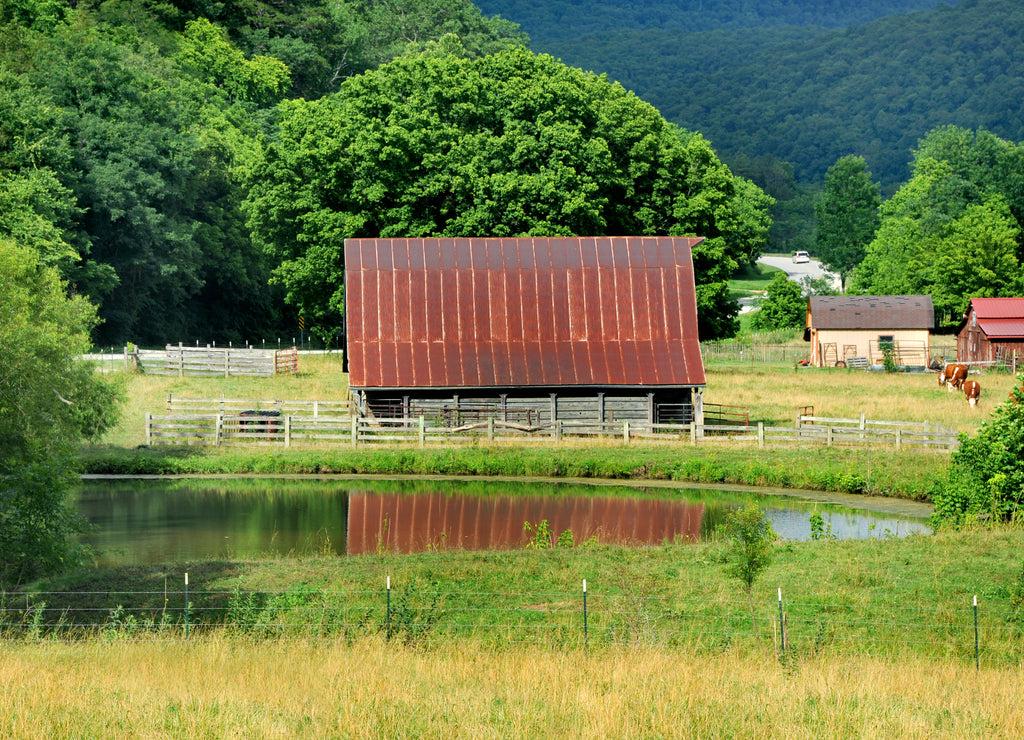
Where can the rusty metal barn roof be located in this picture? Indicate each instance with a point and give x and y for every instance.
(542, 312)
(871, 312)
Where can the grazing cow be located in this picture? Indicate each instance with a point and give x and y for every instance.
(955, 377)
(972, 389)
(944, 374)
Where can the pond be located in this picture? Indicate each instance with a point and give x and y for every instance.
(142, 522)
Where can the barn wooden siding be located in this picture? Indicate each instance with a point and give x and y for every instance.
(539, 409)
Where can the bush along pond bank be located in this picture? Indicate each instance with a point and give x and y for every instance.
(905, 474)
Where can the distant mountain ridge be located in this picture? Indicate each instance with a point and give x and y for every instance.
(810, 95)
(548, 20)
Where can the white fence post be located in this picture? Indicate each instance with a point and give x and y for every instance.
(288, 431)
(355, 429)
(423, 430)
(149, 429)
(760, 434)
(219, 427)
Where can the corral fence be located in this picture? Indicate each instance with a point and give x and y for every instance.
(758, 352)
(268, 422)
(219, 361)
(959, 631)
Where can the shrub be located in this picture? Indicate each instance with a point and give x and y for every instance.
(986, 474)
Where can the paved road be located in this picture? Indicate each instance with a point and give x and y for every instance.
(798, 270)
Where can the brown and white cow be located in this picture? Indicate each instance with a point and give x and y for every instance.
(955, 375)
(972, 389)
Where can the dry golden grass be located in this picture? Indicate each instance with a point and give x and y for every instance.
(775, 394)
(320, 377)
(219, 688)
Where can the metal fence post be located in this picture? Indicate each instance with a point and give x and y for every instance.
(977, 663)
(388, 622)
(585, 636)
(782, 626)
(186, 605)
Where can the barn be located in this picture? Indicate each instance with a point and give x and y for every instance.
(525, 330)
(992, 332)
(855, 329)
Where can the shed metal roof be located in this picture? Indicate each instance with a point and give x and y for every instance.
(998, 308)
(1002, 328)
(871, 312)
(543, 312)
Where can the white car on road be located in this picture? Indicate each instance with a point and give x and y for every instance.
(801, 257)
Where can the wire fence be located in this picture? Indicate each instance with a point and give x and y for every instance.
(412, 614)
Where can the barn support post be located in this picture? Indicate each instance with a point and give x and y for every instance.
(650, 408)
(504, 406)
(697, 401)
(600, 407)
(554, 407)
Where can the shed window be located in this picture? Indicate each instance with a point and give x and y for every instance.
(886, 341)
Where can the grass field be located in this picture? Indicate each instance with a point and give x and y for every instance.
(881, 640)
(774, 394)
(225, 689)
(880, 645)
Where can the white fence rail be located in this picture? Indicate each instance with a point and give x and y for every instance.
(274, 428)
(226, 362)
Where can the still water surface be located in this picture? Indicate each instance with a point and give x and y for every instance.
(141, 522)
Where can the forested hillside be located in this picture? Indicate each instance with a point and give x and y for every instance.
(809, 95)
(548, 20)
(126, 129)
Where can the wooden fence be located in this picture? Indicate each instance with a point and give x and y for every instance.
(272, 427)
(181, 361)
(224, 405)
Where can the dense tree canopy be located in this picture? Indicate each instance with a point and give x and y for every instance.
(48, 402)
(784, 305)
(512, 144)
(809, 95)
(954, 229)
(847, 215)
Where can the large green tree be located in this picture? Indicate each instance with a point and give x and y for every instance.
(847, 215)
(954, 230)
(511, 144)
(49, 401)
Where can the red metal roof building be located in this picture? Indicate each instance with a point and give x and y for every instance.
(524, 323)
(992, 331)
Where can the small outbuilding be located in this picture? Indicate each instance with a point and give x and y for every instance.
(527, 330)
(848, 330)
(992, 332)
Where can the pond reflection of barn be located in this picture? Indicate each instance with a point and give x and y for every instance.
(414, 523)
(527, 330)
